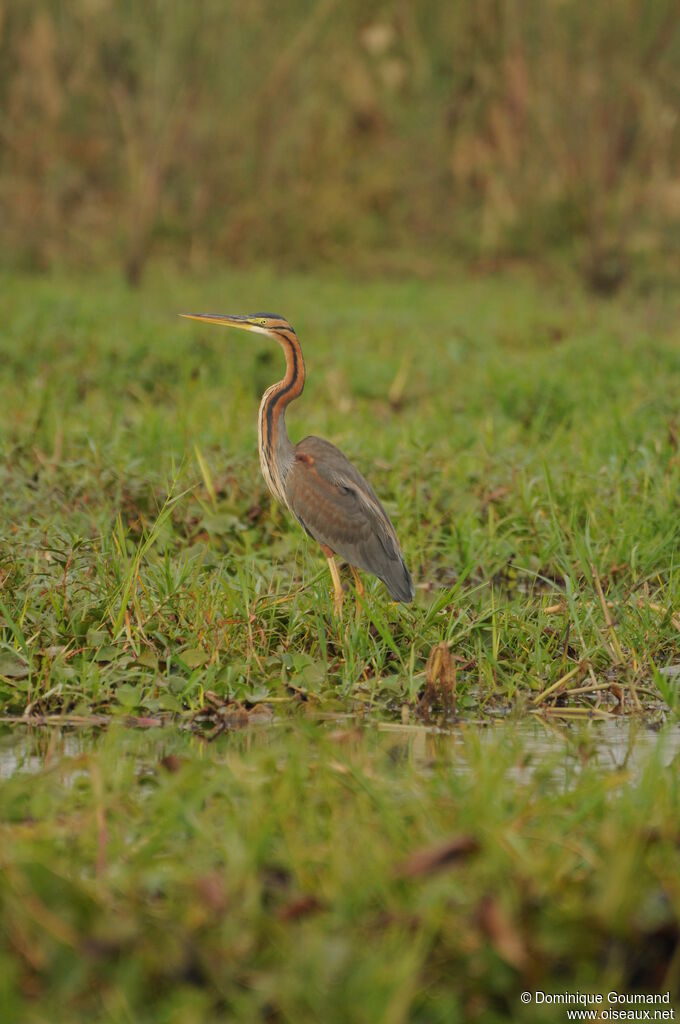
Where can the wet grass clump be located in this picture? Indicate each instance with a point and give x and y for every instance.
(333, 873)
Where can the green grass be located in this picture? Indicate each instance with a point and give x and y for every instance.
(522, 436)
(524, 439)
(297, 875)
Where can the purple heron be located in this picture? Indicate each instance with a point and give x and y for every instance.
(327, 494)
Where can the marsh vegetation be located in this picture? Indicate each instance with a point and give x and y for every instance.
(228, 805)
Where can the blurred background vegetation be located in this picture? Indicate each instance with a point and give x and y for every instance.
(395, 136)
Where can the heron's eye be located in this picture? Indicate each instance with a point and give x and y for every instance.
(263, 322)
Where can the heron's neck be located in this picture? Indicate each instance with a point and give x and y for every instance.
(275, 448)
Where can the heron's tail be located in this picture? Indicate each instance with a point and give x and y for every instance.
(399, 582)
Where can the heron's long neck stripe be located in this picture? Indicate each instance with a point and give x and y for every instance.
(292, 382)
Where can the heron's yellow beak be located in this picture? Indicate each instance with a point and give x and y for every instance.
(246, 323)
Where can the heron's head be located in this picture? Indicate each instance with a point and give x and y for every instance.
(261, 323)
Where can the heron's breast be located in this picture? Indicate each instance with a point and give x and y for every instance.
(273, 477)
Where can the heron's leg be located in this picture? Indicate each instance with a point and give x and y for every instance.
(357, 582)
(358, 586)
(338, 592)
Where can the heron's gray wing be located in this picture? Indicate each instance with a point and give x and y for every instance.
(339, 508)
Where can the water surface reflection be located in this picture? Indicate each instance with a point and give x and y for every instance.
(609, 746)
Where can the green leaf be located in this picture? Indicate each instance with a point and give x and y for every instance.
(12, 666)
(96, 637)
(107, 653)
(314, 674)
(148, 659)
(194, 657)
(167, 702)
(127, 695)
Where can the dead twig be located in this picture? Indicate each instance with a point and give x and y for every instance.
(557, 686)
(433, 858)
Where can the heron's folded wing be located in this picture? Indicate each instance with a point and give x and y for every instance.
(337, 506)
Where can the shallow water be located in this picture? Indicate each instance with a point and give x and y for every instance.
(614, 745)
